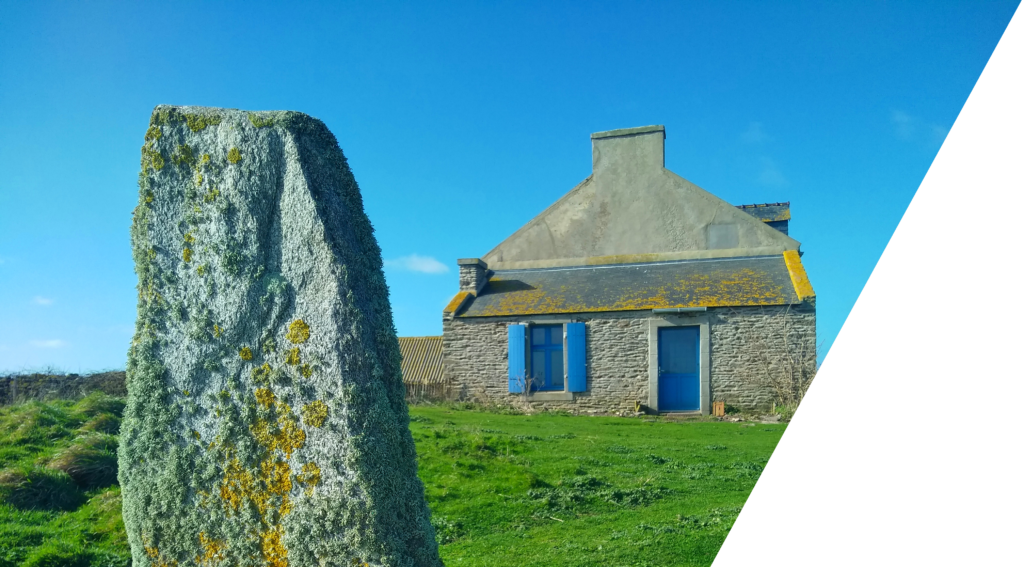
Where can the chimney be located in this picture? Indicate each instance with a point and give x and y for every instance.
(629, 149)
(472, 274)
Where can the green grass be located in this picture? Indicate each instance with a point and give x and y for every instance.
(545, 489)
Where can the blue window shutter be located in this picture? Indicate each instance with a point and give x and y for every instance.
(576, 341)
(516, 358)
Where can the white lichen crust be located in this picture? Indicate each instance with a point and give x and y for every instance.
(266, 420)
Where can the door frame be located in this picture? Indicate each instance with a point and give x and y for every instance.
(655, 323)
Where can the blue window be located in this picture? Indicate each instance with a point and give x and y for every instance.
(535, 355)
(547, 369)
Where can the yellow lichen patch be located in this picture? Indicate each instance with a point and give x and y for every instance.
(258, 121)
(274, 552)
(290, 436)
(197, 122)
(234, 156)
(268, 492)
(245, 353)
(189, 239)
(212, 550)
(237, 485)
(801, 283)
(196, 435)
(201, 270)
(314, 413)
(186, 254)
(261, 374)
(284, 435)
(199, 179)
(293, 357)
(276, 476)
(298, 332)
(310, 477)
(457, 301)
(158, 560)
(265, 397)
(306, 370)
(217, 330)
(153, 133)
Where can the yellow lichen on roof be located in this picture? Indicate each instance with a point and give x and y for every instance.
(621, 259)
(744, 287)
(457, 302)
(801, 283)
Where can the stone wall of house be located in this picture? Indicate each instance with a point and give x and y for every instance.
(476, 360)
(743, 341)
(748, 343)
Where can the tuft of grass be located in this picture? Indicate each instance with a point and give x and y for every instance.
(91, 461)
(37, 488)
(103, 423)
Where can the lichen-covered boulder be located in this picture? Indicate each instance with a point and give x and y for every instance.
(266, 421)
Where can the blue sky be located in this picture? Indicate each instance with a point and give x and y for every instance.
(462, 121)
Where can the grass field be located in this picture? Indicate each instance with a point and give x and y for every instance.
(523, 490)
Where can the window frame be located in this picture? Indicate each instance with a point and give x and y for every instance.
(564, 394)
(548, 347)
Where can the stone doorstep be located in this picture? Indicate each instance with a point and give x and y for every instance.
(680, 415)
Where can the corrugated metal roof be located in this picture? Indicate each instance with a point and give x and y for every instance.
(421, 360)
(719, 282)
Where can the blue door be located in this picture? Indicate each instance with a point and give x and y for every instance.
(679, 368)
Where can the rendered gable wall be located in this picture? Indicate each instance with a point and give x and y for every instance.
(632, 205)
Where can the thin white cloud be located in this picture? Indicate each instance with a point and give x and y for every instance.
(911, 128)
(417, 263)
(50, 343)
(939, 133)
(755, 134)
(904, 123)
(770, 174)
(40, 300)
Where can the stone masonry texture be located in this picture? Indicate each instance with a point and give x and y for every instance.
(476, 355)
(472, 277)
(266, 422)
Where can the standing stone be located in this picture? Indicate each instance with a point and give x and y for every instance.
(266, 420)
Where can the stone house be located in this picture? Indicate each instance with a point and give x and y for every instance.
(635, 288)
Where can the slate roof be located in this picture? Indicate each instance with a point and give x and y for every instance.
(767, 212)
(421, 360)
(718, 282)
